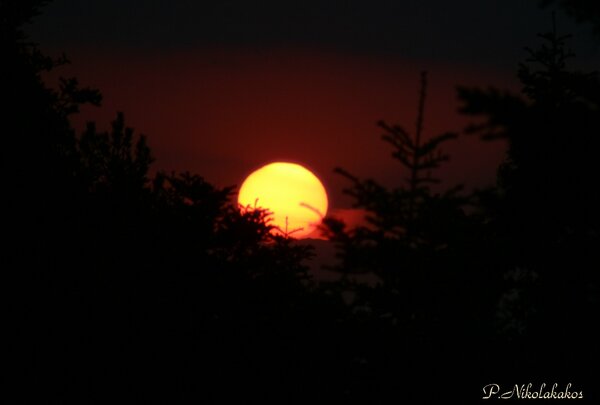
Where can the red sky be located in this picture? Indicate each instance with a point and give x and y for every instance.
(222, 88)
(223, 113)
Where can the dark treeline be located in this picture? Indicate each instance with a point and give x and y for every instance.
(127, 288)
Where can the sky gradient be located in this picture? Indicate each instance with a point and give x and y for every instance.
(223, 88)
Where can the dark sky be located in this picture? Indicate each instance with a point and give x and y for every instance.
(475, 31)
(223, 87)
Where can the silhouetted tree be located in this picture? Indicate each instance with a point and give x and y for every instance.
(394, 214)
(549, 169)
(423, 250)
(543, 216)
(406, 221)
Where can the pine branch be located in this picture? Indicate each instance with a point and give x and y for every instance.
(434, 142)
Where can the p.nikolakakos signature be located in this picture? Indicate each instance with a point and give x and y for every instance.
(528, 391)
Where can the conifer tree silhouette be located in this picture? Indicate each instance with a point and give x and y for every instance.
(402, 216)
(421, 247)
(543, 218)
(550, 133)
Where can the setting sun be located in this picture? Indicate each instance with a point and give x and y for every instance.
(293, 194)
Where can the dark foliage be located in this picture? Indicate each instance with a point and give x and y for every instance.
(486, 279)
(428, 257)
(543, 214)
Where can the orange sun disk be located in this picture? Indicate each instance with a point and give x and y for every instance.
(293, 194)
